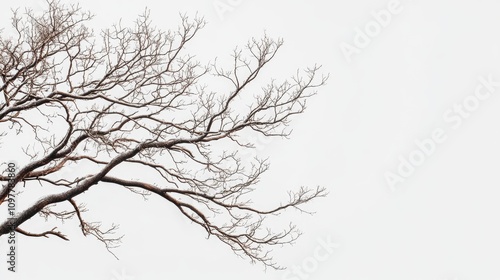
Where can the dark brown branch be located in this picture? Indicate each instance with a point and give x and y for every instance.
(43, 234)
(79, 215)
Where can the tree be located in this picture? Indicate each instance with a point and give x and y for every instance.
(133, 97)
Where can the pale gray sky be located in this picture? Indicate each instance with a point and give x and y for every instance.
(404, 135)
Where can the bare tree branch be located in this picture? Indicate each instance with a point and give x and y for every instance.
(43, 234)
(132, 97)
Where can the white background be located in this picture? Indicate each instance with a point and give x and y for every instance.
(440, 223)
